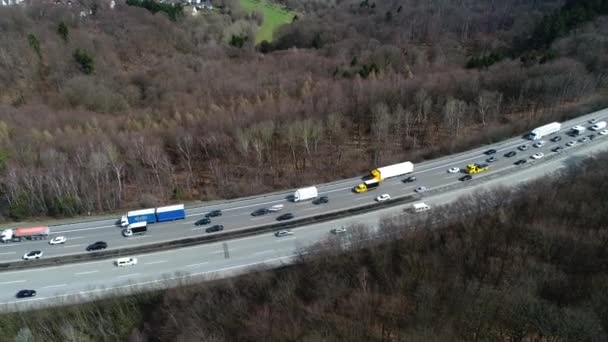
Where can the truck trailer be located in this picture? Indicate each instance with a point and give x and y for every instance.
(136, 228)
(34, 233)
(545, 130)
(370, 184)
(390, 171)
(153, 215)
(305, 194)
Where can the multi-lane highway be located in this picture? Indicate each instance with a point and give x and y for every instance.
(86, 281)
(236, 255)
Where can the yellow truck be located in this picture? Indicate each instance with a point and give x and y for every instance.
(477, 168)
(378, 175)
(367, 185)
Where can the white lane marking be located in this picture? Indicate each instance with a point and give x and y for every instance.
(13, 282)
(8, 253)
(257, 218)
(197, 265)
(217, 252)
(129, 275)
(363, 198)
(312, 208)
(51, 286)
(198, 228)
(285, 239)
(76, 238)
(155, 262)
(264, 252)
(139, 237)
(71, 246)
(80, 229)
(87, 272)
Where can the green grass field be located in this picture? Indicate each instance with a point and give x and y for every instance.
(274, 16)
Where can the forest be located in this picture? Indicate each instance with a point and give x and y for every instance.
(133, 107)
(534, 268)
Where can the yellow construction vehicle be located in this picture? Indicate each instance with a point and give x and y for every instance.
(477, 168)
(366, 186)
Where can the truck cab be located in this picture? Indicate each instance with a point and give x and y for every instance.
(476, 168)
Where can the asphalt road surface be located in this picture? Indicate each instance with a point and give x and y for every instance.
(87, 281)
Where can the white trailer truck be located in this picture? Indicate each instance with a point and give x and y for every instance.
(305, 194)
(545, 130)
(16, 235)
(390, 171)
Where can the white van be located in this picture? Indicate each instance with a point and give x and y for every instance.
(419, 207)
(126, 262)
(277, 207)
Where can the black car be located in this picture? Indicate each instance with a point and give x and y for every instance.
(557, 149)
(322, 199)
(510, 154)
(521, 161)
(489, 152)
(409, 179)
(287, 216)
(216, 228)
(203, 221)
(97, 246)
(214, 213)
(465, 178)
(591, 136)
(26, 293)
(556, 139)
(260, 212)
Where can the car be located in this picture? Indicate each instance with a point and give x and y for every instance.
(320, 200)
(276, 207)
(584, 140)
(203, 221)
(32, 255)
(592, 121)
(260, 212)
(491, 159)
(216, 228)
(420, 189)
(286, 216)
(26, 293)
(465, 178)
(604, 132)
(489, 152)
(557, 149)
(537, 155)
(523, 147)
(521, 161)
(125, 262)
(281, 233)
(453, 170)
(383, 197)
(510, 154)
(409, 179)
(338, 230)
(97, 246)
(591, 136)
(556, 139)
(571, 143)
(58, 240)
(214, 213)
(539, 144)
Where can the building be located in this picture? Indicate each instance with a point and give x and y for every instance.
(10, 2)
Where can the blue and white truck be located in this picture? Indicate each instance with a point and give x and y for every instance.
(153, 215)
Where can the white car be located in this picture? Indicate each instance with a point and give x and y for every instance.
(584, 140)
(281, 233)
(592, 121)
(32, 255)
(523, 147)
(604, 132)
(126, 262)
(339, 230)
(453, 170)
(537, 155)
(383, 197)
(571, 143)
(277, 207)
(539, 144)
(58, 240)
(420, 189)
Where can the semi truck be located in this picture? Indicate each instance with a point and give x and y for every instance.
(477, 168)
(370, 184)
(390, 171)
(305, 194)
(136, 228)
(33, 233)
(545, 130)
(153, 215)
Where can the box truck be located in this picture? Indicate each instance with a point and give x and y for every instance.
(598, 126)
(545, 130)
(153, 215)
(136, 228)
(390, 171)
(16, 235)
(305, 194)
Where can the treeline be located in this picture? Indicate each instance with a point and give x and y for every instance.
(529, 263)
(151, 111)
(173, 11)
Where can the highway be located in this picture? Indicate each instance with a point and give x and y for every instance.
(237, 213)
(90, 280)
